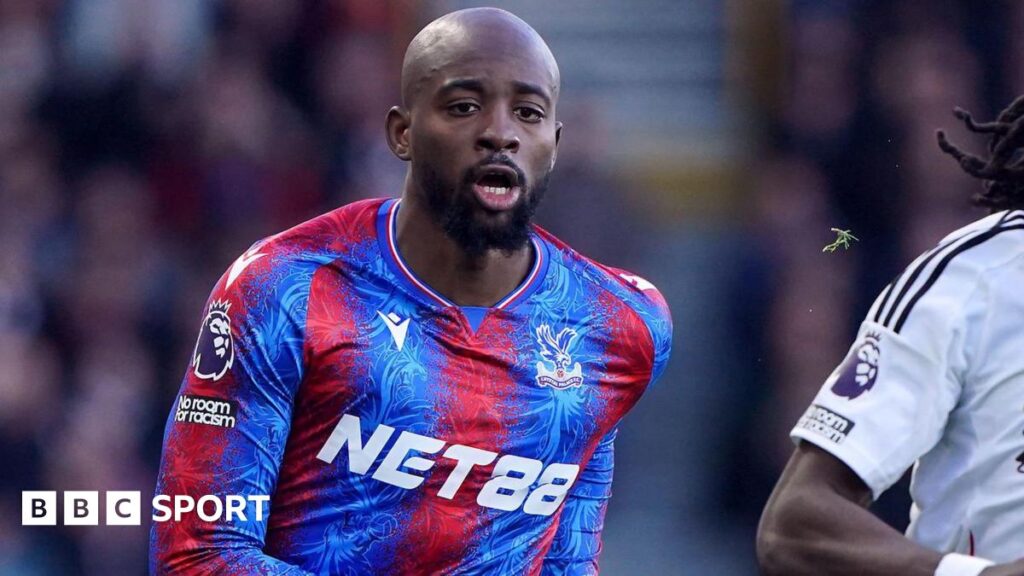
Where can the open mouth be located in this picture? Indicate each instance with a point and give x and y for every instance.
(496, 183)
(497, 187)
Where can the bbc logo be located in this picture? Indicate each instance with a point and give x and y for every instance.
(81, 508)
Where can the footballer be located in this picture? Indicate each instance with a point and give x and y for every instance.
(423, 385)
(935, 380)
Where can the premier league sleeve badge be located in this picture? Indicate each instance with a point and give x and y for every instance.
(215, 349)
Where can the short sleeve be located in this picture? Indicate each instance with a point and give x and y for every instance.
(887, 403)
(660, 324)
(653, 309)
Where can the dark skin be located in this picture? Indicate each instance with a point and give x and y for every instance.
(475, 84)
(817, 523)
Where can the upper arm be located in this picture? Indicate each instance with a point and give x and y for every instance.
(660, 324)
(652, 308)
(816, 521)
(228, 427)
(889, 400)
(810, 488)
(812, 469)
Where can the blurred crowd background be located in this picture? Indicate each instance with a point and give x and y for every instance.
(710, 146)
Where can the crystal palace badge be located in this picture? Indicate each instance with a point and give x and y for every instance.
(554, 370)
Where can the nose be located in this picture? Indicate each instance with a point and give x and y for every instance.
(499, 134)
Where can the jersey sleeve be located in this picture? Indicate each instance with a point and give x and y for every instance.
(577, 542)
(227, 430)
(660, 324)
(653, 309)
(887, 403)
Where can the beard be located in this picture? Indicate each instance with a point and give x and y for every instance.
(455, 208)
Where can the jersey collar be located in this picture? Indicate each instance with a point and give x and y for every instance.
(387, 237)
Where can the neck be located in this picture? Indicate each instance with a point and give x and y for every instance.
(465, 279)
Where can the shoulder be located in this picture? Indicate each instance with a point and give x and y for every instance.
(636, 292)
(619, 287)
(985, 244)
(940, 284)
(328, 235)
(281, 266)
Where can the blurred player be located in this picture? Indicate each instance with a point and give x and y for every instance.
(935, 376)
(427, 385)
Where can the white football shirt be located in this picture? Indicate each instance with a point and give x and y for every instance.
(936, 377)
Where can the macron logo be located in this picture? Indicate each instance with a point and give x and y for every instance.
(242, 263)
(398, 327)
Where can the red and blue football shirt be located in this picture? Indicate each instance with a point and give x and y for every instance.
(393, 434)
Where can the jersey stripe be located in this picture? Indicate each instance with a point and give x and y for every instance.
(880, 303)
(1012, 217)
(963, 247)
(915, 270)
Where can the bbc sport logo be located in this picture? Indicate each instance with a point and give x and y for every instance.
(124, 508)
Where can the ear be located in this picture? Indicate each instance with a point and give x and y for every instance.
(558, 138)
(397, 127)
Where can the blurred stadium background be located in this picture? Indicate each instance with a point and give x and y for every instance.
(710, 145)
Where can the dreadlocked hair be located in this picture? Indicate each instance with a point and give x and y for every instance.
(1003, 172)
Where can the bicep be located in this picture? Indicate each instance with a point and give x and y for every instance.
(816, 520)
(799, 518)
(229, 423)
(811, 470)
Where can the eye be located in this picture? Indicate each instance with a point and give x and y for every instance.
(463, 108)
(529, 114)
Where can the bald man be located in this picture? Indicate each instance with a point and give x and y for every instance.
(427, 385)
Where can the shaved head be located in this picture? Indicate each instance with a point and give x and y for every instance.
(478, 127)
(469, 34)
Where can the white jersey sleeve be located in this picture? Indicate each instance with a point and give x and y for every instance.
(888, 402)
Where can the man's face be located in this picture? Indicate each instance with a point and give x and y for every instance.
(483, 138)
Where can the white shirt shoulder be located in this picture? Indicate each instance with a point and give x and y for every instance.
(932, 349)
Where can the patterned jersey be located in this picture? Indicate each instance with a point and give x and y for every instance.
(936, 376)
(391, 436)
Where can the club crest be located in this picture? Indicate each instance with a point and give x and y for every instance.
(215, 350)
(554, 370)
